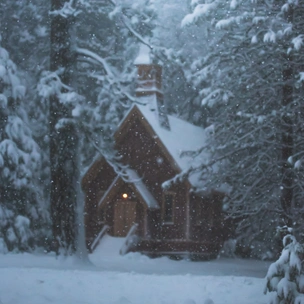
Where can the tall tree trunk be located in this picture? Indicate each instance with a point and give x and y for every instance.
(287, 135)
(286, 152)
(63, 140)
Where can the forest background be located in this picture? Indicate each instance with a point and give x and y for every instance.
(67, 77)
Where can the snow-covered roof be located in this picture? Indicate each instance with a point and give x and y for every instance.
(133, 179)
(182, 136)
(142, 189)
(143, 56)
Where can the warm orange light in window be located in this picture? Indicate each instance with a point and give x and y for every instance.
(125, 195)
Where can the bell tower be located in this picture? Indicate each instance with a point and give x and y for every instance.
(149, 84)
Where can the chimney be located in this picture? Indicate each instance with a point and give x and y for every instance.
(149, 84)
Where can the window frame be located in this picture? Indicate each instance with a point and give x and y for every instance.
(173, 195)
(198, 214)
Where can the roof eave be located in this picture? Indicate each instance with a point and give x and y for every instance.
(117, 182)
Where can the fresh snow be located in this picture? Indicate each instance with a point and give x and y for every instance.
(129, 279)
(298, 42)
(199, 11)
(142, 189)
(297, 164)
(144, 56)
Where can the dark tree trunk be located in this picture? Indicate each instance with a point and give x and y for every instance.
(63, 140)
(287, 136)
(287, 150)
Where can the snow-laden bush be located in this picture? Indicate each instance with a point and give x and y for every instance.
(285, 277)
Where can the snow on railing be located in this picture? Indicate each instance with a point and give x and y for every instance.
(129, 240)
(102, 232)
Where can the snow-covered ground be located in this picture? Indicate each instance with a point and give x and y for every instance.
(130, 279)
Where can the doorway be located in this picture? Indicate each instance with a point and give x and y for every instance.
(124, 217)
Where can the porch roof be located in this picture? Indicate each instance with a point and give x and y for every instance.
(132, 178)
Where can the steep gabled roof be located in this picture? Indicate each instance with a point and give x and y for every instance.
(135, 182)
(182, 135)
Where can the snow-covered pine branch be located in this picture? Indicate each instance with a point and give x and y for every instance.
(67, 10)
(285, 277)
(256, 57)
(100, 60)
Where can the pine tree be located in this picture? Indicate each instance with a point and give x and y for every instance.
(285, 277)
(22, 218)
(251, 82)
(24, 27)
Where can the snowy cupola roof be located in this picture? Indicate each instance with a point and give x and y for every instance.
(149, 74)
(144, 55)
(149, 85)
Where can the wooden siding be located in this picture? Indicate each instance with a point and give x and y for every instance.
(149, 79)
(143, 152)
(208, 225)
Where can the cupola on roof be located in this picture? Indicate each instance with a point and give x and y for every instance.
(144, 55)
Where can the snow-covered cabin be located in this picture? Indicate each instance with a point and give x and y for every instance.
(154, 220)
